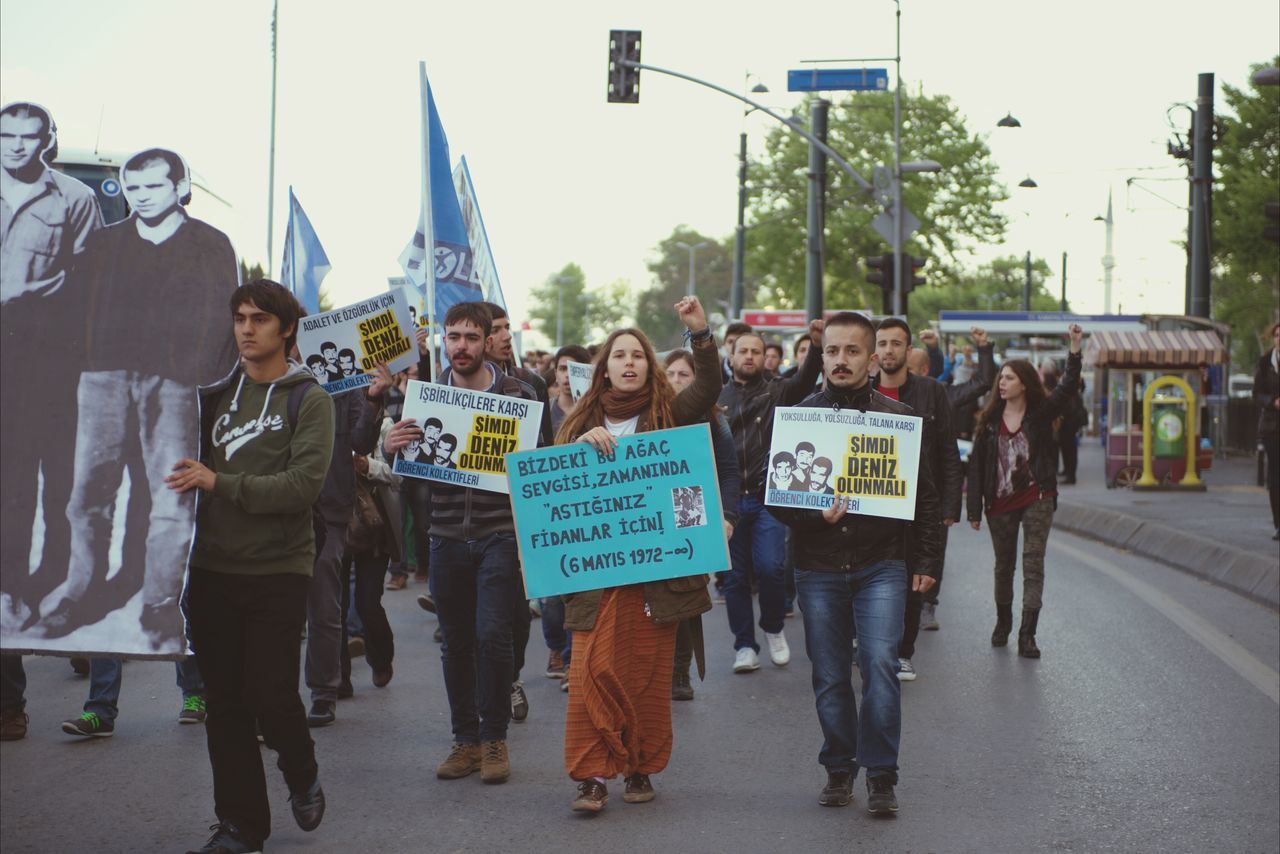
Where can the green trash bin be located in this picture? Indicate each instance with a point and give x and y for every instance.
(1168, 427)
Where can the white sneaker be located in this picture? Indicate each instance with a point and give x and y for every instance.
(906, 671)
(779, 651)
(746, 660)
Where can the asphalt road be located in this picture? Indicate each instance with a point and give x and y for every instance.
(1151, 724)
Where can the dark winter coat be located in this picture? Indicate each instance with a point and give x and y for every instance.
(1266, 388)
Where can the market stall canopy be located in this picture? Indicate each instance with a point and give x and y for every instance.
(1155, 349)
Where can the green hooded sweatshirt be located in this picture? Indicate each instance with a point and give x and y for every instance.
(257, 519)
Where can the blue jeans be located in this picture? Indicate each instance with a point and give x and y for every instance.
(757, 545)
(105, 676)
(830, 603)
(558, 640)
(474, 584)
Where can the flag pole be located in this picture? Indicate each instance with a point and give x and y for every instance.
(271, 160)
(428, 233)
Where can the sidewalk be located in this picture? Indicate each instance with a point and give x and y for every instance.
(1222, 535)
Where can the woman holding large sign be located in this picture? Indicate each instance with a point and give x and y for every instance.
(619, 716)
(1013, 478)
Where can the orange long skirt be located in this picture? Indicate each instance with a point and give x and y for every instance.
(619, 716)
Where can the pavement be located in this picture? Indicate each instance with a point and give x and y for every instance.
(1148, 725)
(1222, 535)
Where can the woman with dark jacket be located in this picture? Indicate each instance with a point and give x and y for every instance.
(624, 638)
(1266, 391)
(680, 373)
(1013, 479)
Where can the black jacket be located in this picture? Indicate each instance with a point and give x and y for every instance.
(1038, 426)
(750, 408)
(857, 541)
(964, 396)
(929, 400)
(1266, 388)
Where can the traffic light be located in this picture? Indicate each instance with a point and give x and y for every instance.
(624, 80)
(880, 272)
(911, 265)
(1271, 231)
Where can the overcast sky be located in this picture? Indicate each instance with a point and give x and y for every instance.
(563, 176)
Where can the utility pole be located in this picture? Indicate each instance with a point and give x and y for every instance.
(899, 306)
(1064, 283)
(271, 159)
(1202, 191)
(817, 209)
(1026, 285)
(1108, 259)
(737, 287)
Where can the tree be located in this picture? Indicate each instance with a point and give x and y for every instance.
(1247, 287)
(996, 286)
(252, 274)
(956, 207)
(588, 315)
(713, 270)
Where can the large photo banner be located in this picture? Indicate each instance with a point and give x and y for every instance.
(871, 457)
(466, 434)
(94, 546)
(648, 512)
(341, 346)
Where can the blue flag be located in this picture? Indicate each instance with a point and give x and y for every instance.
(486, 269)
(454, 268)
(305, 265)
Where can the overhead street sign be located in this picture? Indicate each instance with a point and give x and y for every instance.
(843, 79)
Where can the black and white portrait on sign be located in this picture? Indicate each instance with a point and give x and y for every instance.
(688, 506)
(153, 290)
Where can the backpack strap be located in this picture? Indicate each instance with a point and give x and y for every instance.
(297, 392)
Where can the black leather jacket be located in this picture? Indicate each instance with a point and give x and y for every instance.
(857, 541)
(928, 399)
(1038, 426)
(749, 409)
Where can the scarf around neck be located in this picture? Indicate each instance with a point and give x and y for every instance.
(619, 406)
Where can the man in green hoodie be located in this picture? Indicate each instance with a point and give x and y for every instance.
(266, 438)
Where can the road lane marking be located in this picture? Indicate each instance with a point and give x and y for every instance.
(1255, 671)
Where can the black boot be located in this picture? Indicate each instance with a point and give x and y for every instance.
(1004, 625)
(1027, 634)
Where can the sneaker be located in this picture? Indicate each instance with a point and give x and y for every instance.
(556, 668)
(495, 764)
(193, 710)
(535, 608)
(80, 665)
(906, 672)
(426, 603)
(746, 660)
(355, 646)
(323, 713)
(519, 702)
(779, 651)
(681, 688)
(397, 582)
(880, 798)
(639, 790)
(463, 759)
(839, 789)
(89, 725)
(592, 796)
(564, 683)
(929, 617)
(13, 725)
(227, 839)
(346, 691)
(382, 678)
(308, 806)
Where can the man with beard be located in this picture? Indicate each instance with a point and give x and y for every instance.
(137, 393)
(820, 476)
(757, 545)
(474, 576)
(853, 569)
(46, 219)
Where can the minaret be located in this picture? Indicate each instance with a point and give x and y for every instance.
(1108, 259)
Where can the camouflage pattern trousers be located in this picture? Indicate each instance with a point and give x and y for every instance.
(1035, 520)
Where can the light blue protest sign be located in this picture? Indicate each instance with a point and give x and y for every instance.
(648, 512)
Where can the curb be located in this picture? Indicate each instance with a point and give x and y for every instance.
(1250, 575)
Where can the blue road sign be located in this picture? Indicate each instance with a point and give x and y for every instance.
(830, 79)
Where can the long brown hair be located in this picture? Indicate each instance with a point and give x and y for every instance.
(1030, 378)
(589, 410)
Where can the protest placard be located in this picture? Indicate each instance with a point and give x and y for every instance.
(341, 346)
(647, 512)
(872, 457)
(579, 379)
(465, 434)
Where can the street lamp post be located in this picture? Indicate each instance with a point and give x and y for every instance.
(693, 254)
(736, 286)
